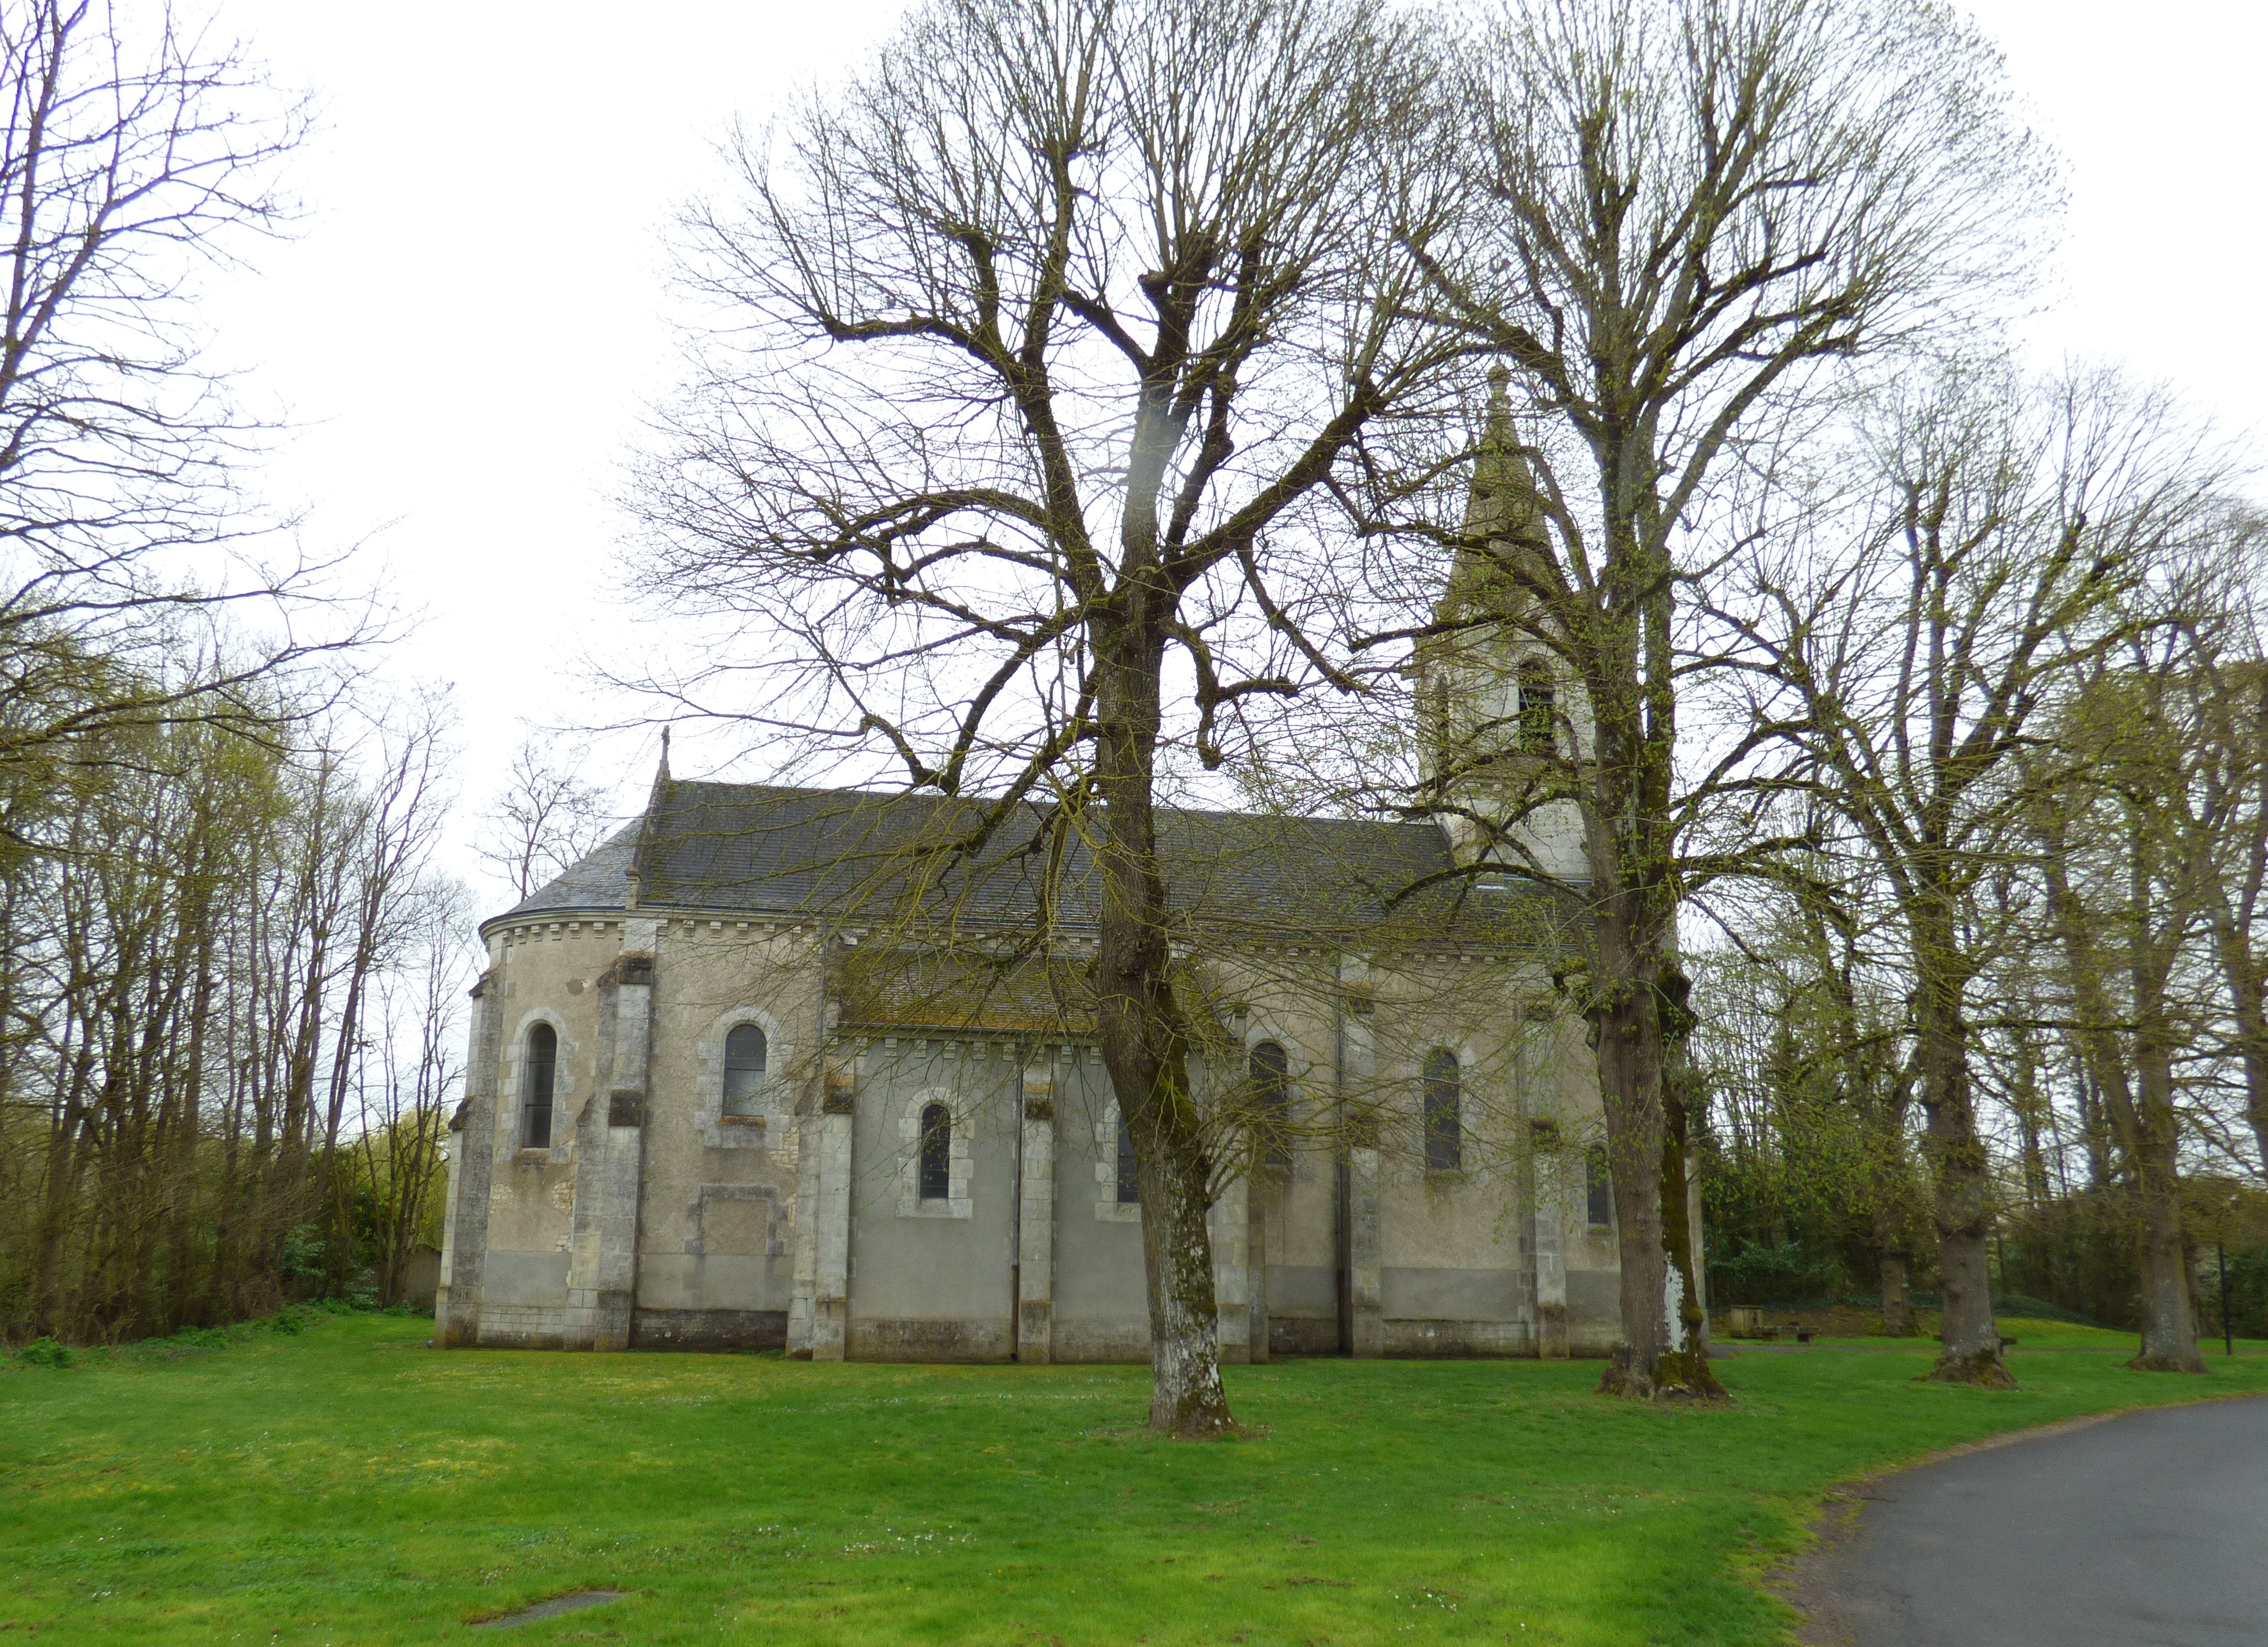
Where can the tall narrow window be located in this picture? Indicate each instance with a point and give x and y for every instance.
(744, 1070)
(1436, 702)
(1445, 1128)
(1598, 1188)
(535, 1086)
(934, 1172)
(1270, 1074)
(1129, 1178)
(1538, 703)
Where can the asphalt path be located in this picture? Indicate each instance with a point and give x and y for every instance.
(2148, 1530)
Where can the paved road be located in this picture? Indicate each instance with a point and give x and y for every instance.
(2146, 1531)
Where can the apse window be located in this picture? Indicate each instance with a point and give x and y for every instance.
(745, 1054)
(933, 1168)
(1444, 1131)
(535, 1094)
(1270, 1074)
(1598, 1186)
(1129, 1180)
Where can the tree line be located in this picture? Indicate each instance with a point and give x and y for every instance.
(2028, 687)
(229, 963)
(229, 983)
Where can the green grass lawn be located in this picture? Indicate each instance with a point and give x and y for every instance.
(351, 1486)
(2066, 1335)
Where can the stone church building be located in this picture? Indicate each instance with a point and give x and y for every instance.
(721, 1095)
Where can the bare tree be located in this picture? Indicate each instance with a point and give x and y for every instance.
(397, 820)
(2137, 839)
(1691, 210)
(134, 155)
(403, 1118)
(1993, 539)
(2226, 651)
(1035, 346)
(2123, 899)
(546, 819)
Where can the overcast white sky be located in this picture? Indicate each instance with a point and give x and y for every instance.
(473, 320)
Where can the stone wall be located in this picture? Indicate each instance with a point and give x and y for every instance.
(655, 1219)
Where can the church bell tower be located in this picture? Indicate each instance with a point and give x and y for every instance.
(1504, 726)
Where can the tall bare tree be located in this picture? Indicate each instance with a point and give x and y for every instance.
(2139, 839)
(2226, 651)
(135, 155)
(2124, 901)
(402, 1105)
(1691, 212)
(1035, 345)
(1991, 540)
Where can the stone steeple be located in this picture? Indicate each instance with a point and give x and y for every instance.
(1504, 517)
(1494, 703)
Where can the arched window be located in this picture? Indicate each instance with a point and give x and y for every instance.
(744, 1070)
(933, 1173)
(1598, 1186)
(1445, 1128)
(1130, 1177)
(1537, 706)
(1269, 1072)
(542, 1074)
(1436, 724)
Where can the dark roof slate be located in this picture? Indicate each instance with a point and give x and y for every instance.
(593, 882)
(856, 854)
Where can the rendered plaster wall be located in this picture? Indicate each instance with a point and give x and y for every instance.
(545, 972)
(1590, 1263)
(716, 1259)
(1493, 1258)
(930, 1280)
(1101, 1307)
(1475, 1260)
(1292, 1204)
(470, 1151)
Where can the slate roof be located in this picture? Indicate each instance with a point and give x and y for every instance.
(850, 855)
(595, 882)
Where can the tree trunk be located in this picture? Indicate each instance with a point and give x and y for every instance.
(1626, 1030)
(1684, 1367)
(1145, 1045)
(1961, 1173)
(2169, 1339)
(1887, 1114)
(1897, 1294)
(2143, 1122)
(62, 1168)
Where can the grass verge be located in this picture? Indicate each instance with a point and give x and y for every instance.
(349, 1485)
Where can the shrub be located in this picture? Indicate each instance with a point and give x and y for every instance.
(1779, 1274)
(44, 1352)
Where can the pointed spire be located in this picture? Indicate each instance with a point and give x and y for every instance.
(1502, 508)
(661, 776)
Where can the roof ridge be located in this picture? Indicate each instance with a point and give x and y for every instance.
(680, 785)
